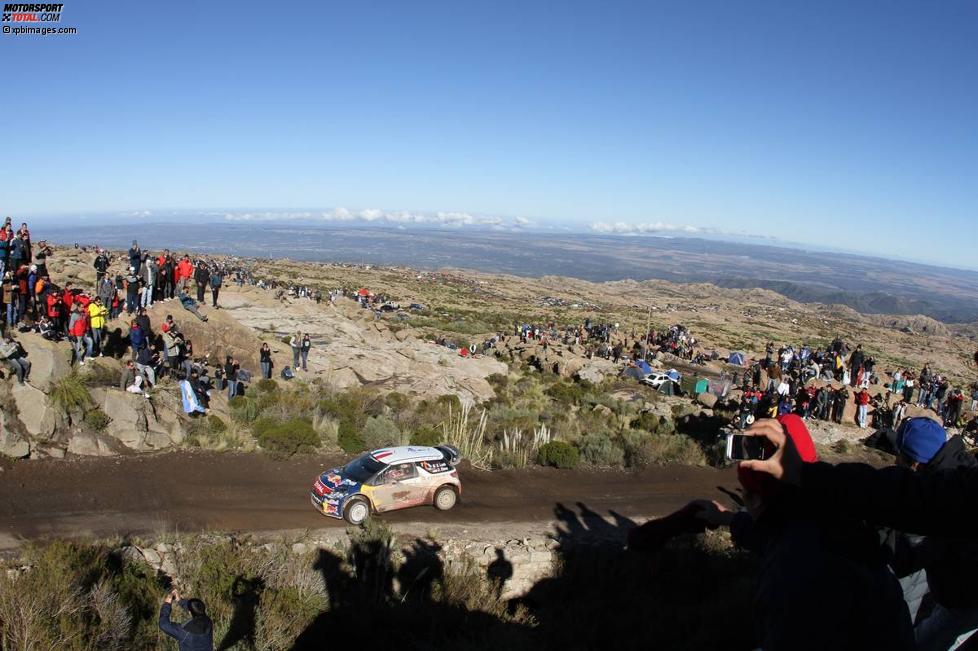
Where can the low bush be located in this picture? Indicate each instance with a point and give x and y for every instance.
(70, 393)
(96, 419)
(349, 438)
(598, 449)
(285, 438)
(559, 455)
(266, 386)
(671, 448)
(566, 393)
(215, 424)
(380, 432)
(426, 436)
(244, 409)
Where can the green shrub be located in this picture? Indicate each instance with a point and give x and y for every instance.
(244, 409)
(285, 438)
(215, 424)
(349, 438)
(498, 381)
(266, 385)
(426, 436)
(668, 449)
(397, 401)
(287, 340)
(559, 455)
(380, 432)
(70, 393)
(651, 423)
(566, 393)
(598, 449)
(97, 420)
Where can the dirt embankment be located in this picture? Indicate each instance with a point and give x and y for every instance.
(194, 491)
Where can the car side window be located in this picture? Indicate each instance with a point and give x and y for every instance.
(400, 472)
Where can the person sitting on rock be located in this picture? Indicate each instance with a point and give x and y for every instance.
(16, 358)
(131, 380)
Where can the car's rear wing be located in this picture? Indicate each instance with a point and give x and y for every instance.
(451, 453)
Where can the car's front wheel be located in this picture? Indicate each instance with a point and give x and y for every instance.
(445, 498)
(357, 511)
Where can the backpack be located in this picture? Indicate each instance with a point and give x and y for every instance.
(287, 373)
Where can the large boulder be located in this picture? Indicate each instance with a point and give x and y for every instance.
(93, 444)
(34, 411)
(50, 361)
(127, 412)
(11, 443)
(707, 399)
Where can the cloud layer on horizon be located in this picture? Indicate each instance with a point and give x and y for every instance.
(453, 219)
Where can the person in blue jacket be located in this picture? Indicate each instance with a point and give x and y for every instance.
(194, 635)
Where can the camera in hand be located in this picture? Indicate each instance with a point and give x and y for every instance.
(741, 447)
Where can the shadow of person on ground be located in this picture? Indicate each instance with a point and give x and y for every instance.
(419, 604)
(696, 595)
(246, 593)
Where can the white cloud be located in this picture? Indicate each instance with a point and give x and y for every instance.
(625, 228)
(452, 219)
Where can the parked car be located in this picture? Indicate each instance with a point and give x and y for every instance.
(389, 479)
(656, 379)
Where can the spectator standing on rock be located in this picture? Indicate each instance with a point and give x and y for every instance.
(862, 406)
(265, 355)
(148, 275)
(231, 376)
(166, 269)
(78, 331)
(97, 313)
(132, 290)
(101, 265)
(306, 345)
(296, 344)
(194, 635)
(216, 279)
(201, 276)
(184, 271)
(8, 296)
(135, 256)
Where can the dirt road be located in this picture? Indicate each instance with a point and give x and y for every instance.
(190, 491)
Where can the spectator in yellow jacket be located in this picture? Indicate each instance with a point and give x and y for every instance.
(97, 313)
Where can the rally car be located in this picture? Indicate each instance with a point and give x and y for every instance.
(387, 480)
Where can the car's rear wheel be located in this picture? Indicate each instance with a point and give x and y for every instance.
(357, 511)
(445, 498)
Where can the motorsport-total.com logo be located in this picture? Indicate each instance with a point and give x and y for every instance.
(31, 13)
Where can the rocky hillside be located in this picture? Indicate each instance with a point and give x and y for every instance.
(82, 410)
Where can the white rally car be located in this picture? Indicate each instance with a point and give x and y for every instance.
(389, 479)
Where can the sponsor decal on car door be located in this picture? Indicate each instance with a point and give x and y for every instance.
(400, 487)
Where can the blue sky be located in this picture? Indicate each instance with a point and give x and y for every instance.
(853, 125)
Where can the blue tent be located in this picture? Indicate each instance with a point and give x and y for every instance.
(736, 358)
(674, 375)
(644, 366)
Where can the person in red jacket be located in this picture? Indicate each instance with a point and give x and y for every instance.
(862, 407)
(68, 296)
(78, 331)
(185, 270)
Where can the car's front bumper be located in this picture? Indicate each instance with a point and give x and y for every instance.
(331, 507)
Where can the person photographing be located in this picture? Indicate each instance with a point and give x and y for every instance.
(197, 634)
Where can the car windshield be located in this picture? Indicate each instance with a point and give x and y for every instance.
(362, 468)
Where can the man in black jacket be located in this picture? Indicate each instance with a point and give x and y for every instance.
(194, 635)
(939, 504)
(201, 275)
(101, 266)
(948, 562)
